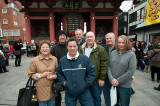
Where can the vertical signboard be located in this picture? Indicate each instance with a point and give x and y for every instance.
(153, 12)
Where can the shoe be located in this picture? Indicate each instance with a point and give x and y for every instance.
(156, 88)
(6, 71)
(158, 81)
(153, 80)
(133, 92)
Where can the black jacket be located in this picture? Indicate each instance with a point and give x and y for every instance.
(17, 47)
(59, 51)
(107, 48)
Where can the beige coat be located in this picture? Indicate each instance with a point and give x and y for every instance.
(43, 86)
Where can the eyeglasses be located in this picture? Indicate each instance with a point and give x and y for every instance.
(78, 34)
(45, 47)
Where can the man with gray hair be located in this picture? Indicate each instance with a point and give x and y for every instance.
(110, 46)
(98, 56)
(79, 37)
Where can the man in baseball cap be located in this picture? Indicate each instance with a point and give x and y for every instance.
(60, 50)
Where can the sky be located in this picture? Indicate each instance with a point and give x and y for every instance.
(126, 5)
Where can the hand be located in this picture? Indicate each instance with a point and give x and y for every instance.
(45, 74)
(64, 83)
(114, 82)
(101, 83)
(51, 77)
(133, 78)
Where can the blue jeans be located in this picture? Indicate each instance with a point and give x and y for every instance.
(96, 94)
(85, 99)
(49, 102)
(106, 92)
(123, 96)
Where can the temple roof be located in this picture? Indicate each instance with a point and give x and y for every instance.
(50, 3)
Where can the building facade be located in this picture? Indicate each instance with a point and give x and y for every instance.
(123, 23)
(137, 24)
(44, 18)
(12, 22)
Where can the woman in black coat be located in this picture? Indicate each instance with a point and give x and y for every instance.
(17, 47)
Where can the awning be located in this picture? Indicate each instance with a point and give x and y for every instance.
(131, 36)
(141, 25)
(2, 39)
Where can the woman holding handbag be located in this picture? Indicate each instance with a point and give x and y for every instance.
(122, 67)
(43, 69)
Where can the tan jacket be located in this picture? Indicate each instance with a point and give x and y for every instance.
(43, 86)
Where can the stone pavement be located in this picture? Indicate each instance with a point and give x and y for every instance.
(16, 78)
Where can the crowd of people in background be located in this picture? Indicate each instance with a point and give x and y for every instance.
(104, 55)
(32, 49)
(145, 58)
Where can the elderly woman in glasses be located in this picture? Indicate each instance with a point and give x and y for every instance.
(43, 69)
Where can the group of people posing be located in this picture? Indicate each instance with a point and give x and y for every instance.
(85, 69)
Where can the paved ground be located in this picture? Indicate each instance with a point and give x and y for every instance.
(16, 78)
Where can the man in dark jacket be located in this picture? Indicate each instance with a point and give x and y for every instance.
(109, 46)
(79, 37)
(17, 47)
(60, 50)
(76, 72)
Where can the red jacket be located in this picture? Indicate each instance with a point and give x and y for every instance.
(11, 48)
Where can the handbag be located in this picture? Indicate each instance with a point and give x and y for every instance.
(16, 52)
(57, 87)
(113, 95)
(27, 96)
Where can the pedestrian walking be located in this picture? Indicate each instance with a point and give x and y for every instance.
(28, 48)
(11, 52)
(17, 47)
(2, 63)
(154, 55)
(76, 72)
(157, 88)
(6, 52)
(138, 53)
(146, 62)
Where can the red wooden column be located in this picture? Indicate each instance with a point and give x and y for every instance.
(115, 23)
(28, 28)
(51, 26)
(92, 17)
